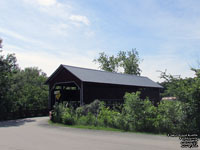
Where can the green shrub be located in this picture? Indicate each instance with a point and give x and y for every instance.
(87, 114)
(186, 90)
(149, 118)
(80, 112)
(82, 120)
(132, 111)
(57, 113)
(67, 117)
(135, 115)
(170, 116)
(92, 108)
(108, 117)
(97, 114)
(139, 115)
(105, 117)
(88, 119)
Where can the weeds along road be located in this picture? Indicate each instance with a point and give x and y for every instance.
(36, 134)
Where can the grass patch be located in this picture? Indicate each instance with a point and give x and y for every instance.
(85, 127)
(100, 128)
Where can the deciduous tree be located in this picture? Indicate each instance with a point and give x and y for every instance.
(128, 60)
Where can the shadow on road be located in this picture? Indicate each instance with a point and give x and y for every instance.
(19, 122)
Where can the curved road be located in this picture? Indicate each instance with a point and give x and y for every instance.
(36, 134)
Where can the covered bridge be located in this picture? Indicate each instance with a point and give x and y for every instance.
(83, 85)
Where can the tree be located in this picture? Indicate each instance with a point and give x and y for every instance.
(128, 60)
(8, 68)
(28, 91)
(107, 63)
(1, 43)
(187, 91)
(21, 91)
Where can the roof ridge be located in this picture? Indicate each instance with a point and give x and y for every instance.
(99, 76)
(106, 71)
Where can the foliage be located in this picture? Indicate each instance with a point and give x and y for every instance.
(170, 116)
(63, 114)
(33, 94)
(67, 117)
(93, 107)
(84, 126)
(8, 68)
(1, 43)
(187, 91)
(129, 61)
(88, 119)
(139, 115)
(136, 115)
(58, 111)
(23, 92)
(108, 117)
(87, 114)
(107, 63)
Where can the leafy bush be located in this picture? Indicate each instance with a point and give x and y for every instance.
(142, 115)
(63, 114)
(136, 115)
(170, 116)
(88, 119)
(92, 108)
(57, 112)
(87, 114)
(149, 117)
(106, 117)
(134, 112)
(187, 91)
(67, 117)
(97, 114)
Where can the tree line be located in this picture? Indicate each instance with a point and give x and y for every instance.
(22, 91)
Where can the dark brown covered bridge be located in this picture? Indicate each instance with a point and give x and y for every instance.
(83, 85)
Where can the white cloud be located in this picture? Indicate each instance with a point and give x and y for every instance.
(89, 34)
(46, 2)
(171, 20)
(49, 62)
(26, 39)
(14, 34)
(60, 10)
(79, 18)
(53, 8)
(60, 29)
(151, 66)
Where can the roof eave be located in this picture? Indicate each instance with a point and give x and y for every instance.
(159, 86)
(52, 75)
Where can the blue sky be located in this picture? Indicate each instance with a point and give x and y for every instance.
(47, 33)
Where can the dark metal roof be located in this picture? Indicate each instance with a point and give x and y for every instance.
(97, 76)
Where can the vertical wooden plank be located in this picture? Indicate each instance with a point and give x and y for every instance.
(49, 99)
(81, 94)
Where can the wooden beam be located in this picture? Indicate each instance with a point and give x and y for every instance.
(49, 99)
(81, 94)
